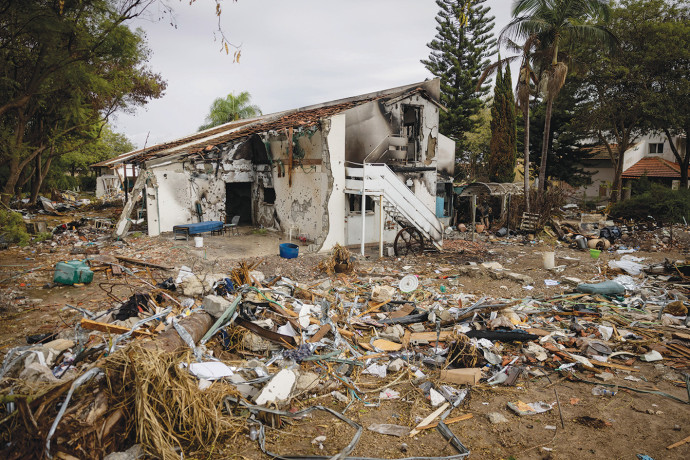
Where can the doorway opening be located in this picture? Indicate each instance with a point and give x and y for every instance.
(238, 201)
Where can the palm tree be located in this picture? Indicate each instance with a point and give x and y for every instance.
(555, 23)
(231, 108)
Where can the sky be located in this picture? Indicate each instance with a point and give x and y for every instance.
(293, 54)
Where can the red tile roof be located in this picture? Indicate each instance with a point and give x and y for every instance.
(653, 167)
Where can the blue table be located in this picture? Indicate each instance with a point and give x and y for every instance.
(213, 226)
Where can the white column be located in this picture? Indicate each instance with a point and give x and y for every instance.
(380, 225)
(364, 202)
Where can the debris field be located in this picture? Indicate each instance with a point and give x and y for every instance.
(152, 348)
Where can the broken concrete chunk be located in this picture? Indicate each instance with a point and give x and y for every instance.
(37, 373)
(651, 356)
(278, 389)
(535, 351)
(215, 305)
(605, 376)
(59, 345)
(520, 278)
(492, 265)
(306, 381)
(382, 293)
(496, 418)
(192, 287)
(396, 365)
(133, 453)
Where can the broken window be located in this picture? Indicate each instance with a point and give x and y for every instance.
(355, 203)
(269, 195)
(411, 126)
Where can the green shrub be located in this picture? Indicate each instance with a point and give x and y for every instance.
(662, 203)
(13, 228)
(87, 183)
(42, 236)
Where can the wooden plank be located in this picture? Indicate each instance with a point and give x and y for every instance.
(321, 333)
(406, 339)
(679, 443)
(111, 328)
(613, 366)
(680, 336)
(446, 421)
(344, 332)
(430, 336)
(143, 263)
(387, 345)
(402, 311)
(429, 419)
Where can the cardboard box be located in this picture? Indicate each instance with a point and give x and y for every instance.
(470, 375)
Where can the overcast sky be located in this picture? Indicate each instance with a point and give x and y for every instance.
(294, 53)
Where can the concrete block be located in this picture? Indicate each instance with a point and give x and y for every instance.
(215, 305)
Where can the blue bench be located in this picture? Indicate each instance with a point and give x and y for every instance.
(213, 226)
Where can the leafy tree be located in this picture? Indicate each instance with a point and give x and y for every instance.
(666, 67)
(621, 96)
(569, 138)
(463, 45)
(65, 67)
(478, 145)
(557, 23)
(503, 150)
(231, 108)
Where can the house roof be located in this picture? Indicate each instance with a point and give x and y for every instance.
(599, 152)
(652, 167)
(297, 118)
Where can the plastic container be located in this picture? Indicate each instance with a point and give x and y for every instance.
(603, 391)
(72, 272)
(288, 250)
(198, 241)
(549, 260)
(594, 253)
(604, 288)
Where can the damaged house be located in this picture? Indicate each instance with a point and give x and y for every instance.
(353, 171)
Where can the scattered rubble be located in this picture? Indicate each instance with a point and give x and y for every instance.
(181, 357)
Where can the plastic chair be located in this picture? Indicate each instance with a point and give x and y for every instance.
(232, 226)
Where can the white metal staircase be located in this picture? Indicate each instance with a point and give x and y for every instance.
(400, 202)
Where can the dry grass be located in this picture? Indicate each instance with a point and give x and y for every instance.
(339, 260)
(170, 413)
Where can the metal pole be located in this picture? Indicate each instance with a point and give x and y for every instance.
(474, 216)
(380, 225)
(364, 203)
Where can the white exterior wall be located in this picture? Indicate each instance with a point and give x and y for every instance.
(177, 192)
(335, 142)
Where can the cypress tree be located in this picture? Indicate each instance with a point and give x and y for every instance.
(461, 49)
(503, 146)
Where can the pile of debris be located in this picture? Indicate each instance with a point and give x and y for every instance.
(186, 365)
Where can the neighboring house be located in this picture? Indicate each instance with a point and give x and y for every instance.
(301, 170)
(650, 156)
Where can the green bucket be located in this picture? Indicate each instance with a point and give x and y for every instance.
(594, 253)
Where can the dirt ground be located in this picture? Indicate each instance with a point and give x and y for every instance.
(581, 426)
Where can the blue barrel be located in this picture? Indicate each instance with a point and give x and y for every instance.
(289, 250)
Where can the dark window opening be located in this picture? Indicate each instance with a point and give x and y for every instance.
(269, 195)
(356, 203)
(412, 118)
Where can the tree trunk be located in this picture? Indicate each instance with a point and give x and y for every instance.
(12, 178)
(545, 146)
(685, 164)
(616, 186)
(41, 174)
(683, 161)
(526, 153)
